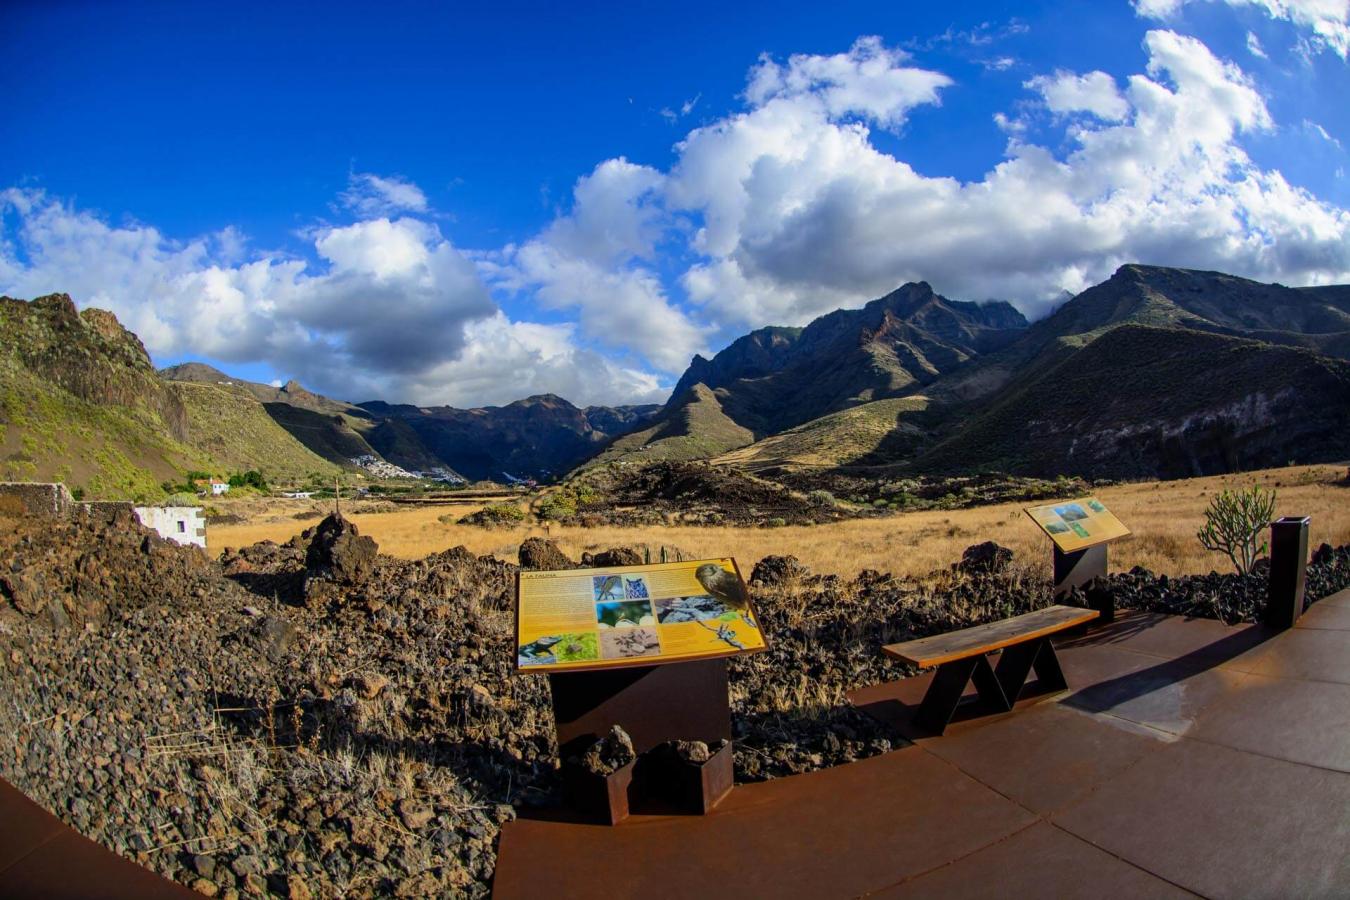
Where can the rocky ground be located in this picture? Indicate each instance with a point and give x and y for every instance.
(315, 719)
(696, 493)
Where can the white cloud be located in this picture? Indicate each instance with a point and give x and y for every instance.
(1158, 9)
(798, 212)
(1095, 92)
(1254, 46)
(869, 81)
(773, 214)
(1327, 20)
(595, 260)
(398, 313)
(375, 195)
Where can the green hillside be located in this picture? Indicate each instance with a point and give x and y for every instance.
(234, 430)
(108, 451)
(1142, 401)
(839, 439)
(694, 428)
(80, 402)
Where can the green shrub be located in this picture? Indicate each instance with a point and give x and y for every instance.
(1234, 523)
(252, 478)
(823, 499)
(496, 514)
(561, 505)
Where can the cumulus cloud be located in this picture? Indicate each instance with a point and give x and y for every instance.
(395, 311)
(799, 212)
(597, 260)
(1095, 92)
(1327, 20)
(773, 214)
(374, 195)
(869, 81)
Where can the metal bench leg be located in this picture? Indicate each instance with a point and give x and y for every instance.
(1017, 662)
(1048, 671)
(944, 693)
(949, 683)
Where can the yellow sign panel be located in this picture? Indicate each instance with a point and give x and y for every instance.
(579, 619)
(1076, 524)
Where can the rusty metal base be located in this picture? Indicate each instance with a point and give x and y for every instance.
(603, 797)
(997, 689)
(685, 701)
(688, 787)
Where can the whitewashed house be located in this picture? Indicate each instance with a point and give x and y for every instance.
(219, 487)
(183, 524)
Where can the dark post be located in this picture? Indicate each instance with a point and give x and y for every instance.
(1078, 568)
(1288, 570)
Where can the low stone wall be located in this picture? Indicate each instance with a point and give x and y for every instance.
(35, 499)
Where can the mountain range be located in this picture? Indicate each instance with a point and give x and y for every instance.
(1155, 372)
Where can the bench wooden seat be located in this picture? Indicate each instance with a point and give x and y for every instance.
(961, 657)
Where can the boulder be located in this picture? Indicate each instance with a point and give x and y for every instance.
(541, 554)
(616, 556)
(339, 552)
(609, 754)
(987, 557)
(777, 570)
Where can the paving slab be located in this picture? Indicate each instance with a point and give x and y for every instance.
(1340, 600)
(839, 832)
(1317, 654)
(24, 826)
(1047, 757)
(1300, 721)
(1224, 823)
(1324, 615)
(42, 857)
(1199, 642)
(1160, 695)
(1040, 861)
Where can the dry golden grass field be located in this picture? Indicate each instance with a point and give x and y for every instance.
(1164, 517)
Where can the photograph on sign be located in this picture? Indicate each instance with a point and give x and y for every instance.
(633, 615)
(1076, 524)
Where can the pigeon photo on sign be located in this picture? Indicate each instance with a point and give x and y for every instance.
(583, 619)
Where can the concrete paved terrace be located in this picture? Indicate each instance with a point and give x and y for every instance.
(1188, 758)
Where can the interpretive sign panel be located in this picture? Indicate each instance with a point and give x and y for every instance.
(585, 619)
(1076, 524)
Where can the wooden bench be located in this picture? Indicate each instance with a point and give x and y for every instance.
(961, 657)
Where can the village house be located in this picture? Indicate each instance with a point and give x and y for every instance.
(180, 524)
(213, 486)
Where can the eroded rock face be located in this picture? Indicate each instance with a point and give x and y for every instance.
(543, 555)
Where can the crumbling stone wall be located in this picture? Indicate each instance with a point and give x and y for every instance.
(35, 499)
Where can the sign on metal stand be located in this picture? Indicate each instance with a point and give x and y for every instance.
(645, 648)
(1080, 531)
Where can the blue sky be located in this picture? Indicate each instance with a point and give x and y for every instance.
(447, 206)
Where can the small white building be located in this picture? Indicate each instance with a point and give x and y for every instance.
(183, 524)
(298, 495)
(219, 487)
